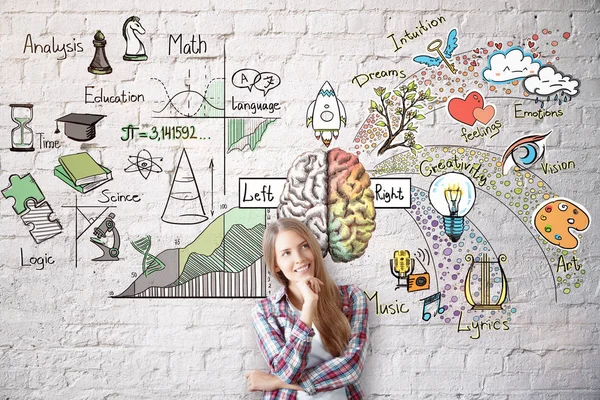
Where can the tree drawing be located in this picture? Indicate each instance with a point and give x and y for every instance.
(406, 106)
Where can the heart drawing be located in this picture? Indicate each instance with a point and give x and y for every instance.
(471, 109)
(484, 115)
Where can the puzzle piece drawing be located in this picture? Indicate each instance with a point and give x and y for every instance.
(39, 217)
(22, 189)
(30, 205)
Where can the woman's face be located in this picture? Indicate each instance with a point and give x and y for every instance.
(293, 256)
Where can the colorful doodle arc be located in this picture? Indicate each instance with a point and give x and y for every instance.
(522, 192)
(451, 262)
(465, 85)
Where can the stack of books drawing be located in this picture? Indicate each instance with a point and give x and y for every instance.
(82, 172)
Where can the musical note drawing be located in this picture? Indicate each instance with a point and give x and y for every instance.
(437, 297)
(451, 45)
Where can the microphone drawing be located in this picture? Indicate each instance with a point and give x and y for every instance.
(402, 266)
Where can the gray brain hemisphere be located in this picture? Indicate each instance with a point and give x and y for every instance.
(305, 194)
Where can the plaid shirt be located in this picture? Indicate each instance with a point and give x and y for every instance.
(285, 342)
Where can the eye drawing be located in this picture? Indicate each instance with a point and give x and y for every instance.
(524, 152)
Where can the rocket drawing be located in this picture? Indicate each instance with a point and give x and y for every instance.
(326, 113)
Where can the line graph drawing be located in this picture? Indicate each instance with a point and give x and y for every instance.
(224, 261)
(246, 133)
(239, 131)
(189, 103)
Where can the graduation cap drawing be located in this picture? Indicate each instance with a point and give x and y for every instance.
(80, 127)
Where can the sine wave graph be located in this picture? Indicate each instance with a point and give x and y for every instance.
(224, 261)
(190, 103)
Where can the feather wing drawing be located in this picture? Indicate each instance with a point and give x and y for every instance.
(451, 45)
(429, 61)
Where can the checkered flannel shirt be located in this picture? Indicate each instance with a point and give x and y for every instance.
(285, 342)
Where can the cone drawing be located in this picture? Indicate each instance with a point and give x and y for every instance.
(184, 206)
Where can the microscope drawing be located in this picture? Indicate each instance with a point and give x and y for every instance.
(107, 226)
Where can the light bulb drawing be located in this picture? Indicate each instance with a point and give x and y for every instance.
(452, 195)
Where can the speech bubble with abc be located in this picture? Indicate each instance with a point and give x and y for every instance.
(249, 78)
(245, 78)
(267, 81)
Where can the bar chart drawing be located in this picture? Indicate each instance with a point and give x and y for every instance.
(224, 261)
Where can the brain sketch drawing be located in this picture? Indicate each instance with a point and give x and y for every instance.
(330, 191)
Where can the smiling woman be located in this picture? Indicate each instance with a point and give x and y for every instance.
(312, 332)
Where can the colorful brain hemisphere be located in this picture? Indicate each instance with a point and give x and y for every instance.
(330, 191)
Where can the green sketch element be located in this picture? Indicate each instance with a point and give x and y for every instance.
(230, 245)
(246, 132)
(393, 119)
(239, 248)
(30, 204)
(213, 102)
(21, 189)
(150, 263)
(192, 103)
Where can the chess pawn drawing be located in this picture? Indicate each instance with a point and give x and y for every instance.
(100, 64)
(134, 50)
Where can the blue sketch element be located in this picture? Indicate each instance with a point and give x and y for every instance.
(534, 147)
(326, 92)
(512, 64)
(530, 156)
(451, 45)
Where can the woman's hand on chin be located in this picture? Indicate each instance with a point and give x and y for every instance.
(309, 289)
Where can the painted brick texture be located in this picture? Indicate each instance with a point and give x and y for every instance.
(62, 336)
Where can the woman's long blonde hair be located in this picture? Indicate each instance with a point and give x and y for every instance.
(329, 318)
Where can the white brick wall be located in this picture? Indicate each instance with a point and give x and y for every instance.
(63, 337)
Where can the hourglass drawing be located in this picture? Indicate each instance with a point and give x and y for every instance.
(21, 136)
